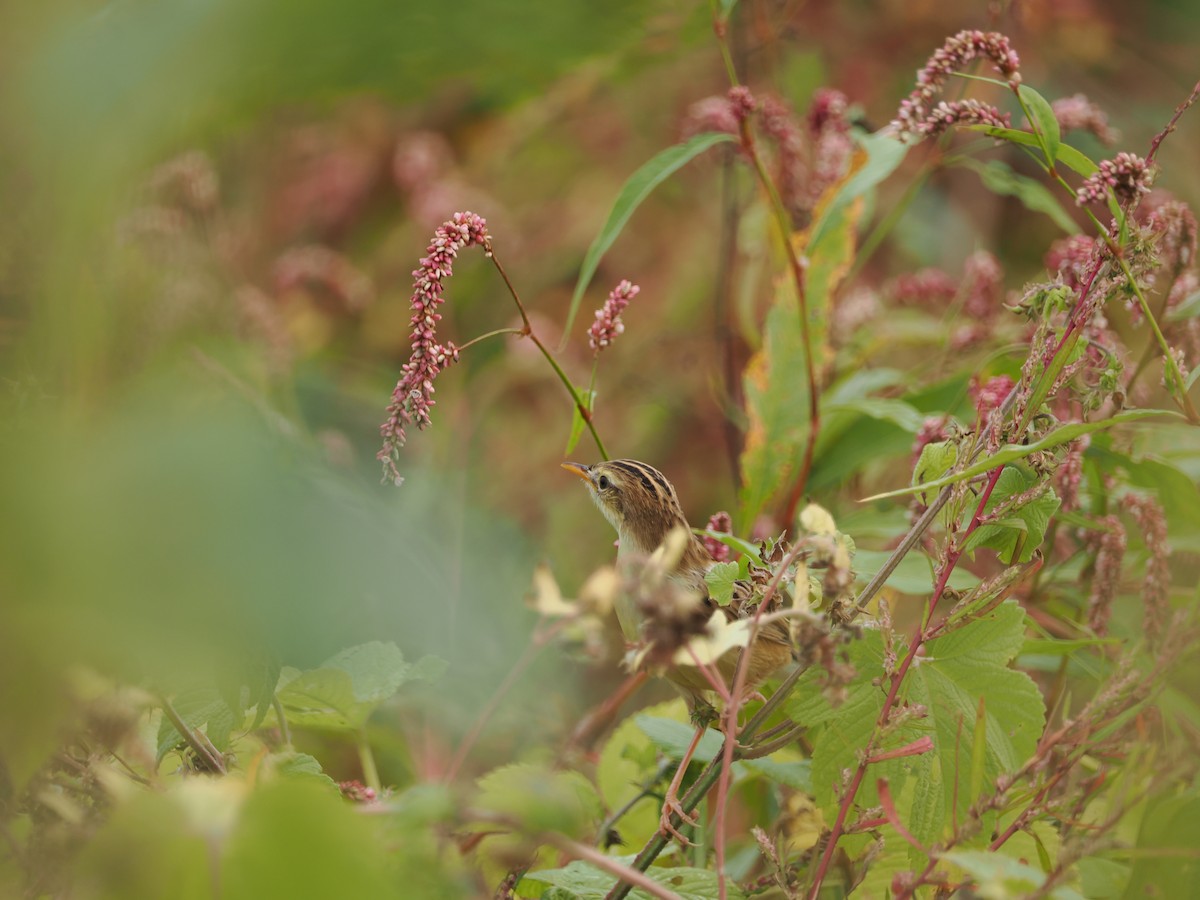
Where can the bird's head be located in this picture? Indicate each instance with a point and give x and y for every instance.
(636, 499)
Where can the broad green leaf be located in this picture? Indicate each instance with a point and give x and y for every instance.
(996, 875)
(295, 838)
(955, 672)
(959, 671)
(775, 379)
(1013, 452)
(1067, 154)
(1016, 537)
(628, 760)
(795, 774)
(1044, 647)
(1044, 121)
(583, 881)
(343, 692)
(674, 737)
(884, 153)
(541, 799)
(299, 765)
(720, 579)
(889, 410)
(999, 178)
(639, 186)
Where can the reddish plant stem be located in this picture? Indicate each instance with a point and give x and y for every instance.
(889, 703)
(732, 705)
(796, 267)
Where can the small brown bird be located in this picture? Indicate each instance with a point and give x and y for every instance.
(644, 509)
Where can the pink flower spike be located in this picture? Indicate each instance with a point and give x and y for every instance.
(608, 322)
(412, 397)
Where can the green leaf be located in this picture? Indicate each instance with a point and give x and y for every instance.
(1013, 452)
(998, 178)
(996, 875)
(1188, 309)
(343, 692)
(300, 765)
(720, 580)
(639, 186)
(884, 155)
(674, 737)
(1044, 121)
(960, 674)
(936, 459)
(914, 575)
(541, 799)
(888, 410)
(795, 774)
(1067, 154)
(775, 378)
(584, 881)
(955, 673)
(1016, 537)
(295, 838)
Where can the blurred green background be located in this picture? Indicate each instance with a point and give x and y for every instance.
(188, 433)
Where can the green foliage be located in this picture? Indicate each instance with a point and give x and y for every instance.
(1018, 535)
(637, 188)
(342, 693)
(580, 881)
(720, 580)
(538, 799)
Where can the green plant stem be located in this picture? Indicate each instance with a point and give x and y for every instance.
(366, 759)
(708, 777)
(527, 331)
(1177, 380)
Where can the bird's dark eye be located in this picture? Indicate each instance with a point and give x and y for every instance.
(604, 483)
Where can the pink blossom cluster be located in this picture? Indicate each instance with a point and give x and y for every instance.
(983, 285)
(1071, 259)
(915, 116)
(742, 102)
(412, 397)
(989, 395)
(1152, 525)
(933, 430)
(710, 114)
(1126, 174)
(608, 322)
(830, 141)
(1107, 578)
(319, 265)
(720, 522)
(1068, 478)
(925, 287)
(1078, 113)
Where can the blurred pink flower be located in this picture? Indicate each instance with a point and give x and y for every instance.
(1078, 113)
(720, 522)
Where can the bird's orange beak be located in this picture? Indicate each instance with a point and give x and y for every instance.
(579, 469)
